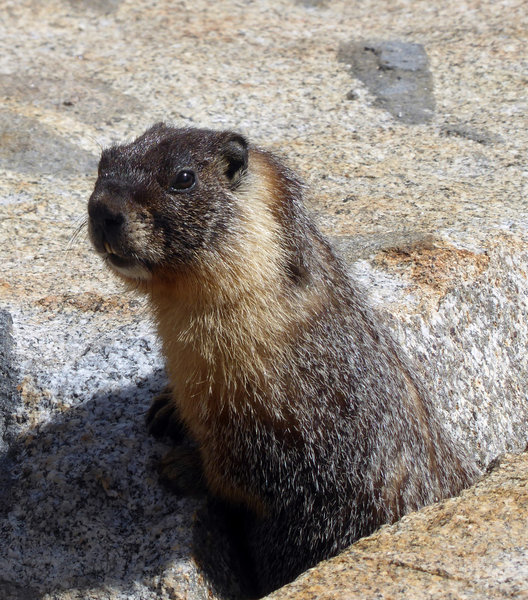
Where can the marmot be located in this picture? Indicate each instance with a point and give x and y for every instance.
(303, 409)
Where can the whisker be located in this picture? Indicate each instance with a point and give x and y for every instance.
(96, 142)
(82, 222)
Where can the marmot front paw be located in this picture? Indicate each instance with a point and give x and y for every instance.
(163, 418)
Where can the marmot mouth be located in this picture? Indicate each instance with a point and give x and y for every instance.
(120, 261)
(116, 259)
(129, 267)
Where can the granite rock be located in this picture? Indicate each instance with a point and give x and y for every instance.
(34, 149)
(8, 380)
(430, 213)
(396, 73)
(84, 99)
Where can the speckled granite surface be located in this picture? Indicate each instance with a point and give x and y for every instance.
(426, 198)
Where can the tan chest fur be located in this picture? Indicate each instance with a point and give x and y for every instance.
(224, 326)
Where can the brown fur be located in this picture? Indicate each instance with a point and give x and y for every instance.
(303, 410)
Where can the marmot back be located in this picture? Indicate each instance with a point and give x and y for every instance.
(303, 410)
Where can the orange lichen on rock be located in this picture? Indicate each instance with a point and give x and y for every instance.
(433, 263)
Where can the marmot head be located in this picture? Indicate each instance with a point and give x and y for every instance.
(164, 200)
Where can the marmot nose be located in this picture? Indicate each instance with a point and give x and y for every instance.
(107, 221)
(106, 217)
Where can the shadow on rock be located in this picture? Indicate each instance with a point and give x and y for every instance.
(84, 508)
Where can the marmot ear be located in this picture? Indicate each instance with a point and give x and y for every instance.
(235, 154)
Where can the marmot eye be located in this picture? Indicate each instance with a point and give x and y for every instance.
(183, 181)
